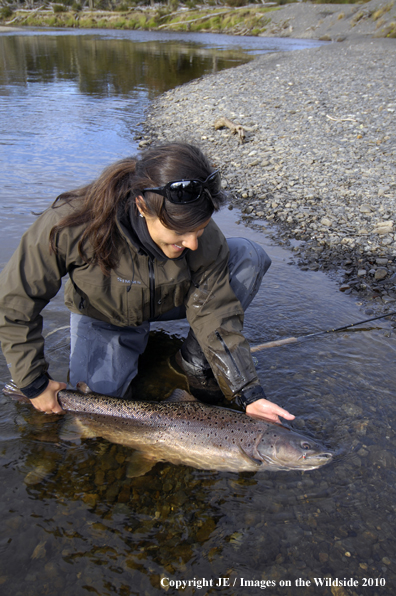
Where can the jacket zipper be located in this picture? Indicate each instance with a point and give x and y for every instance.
(152, 289)
(230, 356)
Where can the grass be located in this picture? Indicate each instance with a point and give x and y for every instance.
(251, 20)
(357, 17)
(389, 31)
(381, 11)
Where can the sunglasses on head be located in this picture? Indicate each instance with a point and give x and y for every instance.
(187, 191)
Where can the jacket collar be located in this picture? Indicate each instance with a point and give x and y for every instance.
(134, 228)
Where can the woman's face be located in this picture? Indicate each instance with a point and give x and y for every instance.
(170, 242)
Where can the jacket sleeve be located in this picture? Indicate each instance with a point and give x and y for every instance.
(27, 283)
(216, 315)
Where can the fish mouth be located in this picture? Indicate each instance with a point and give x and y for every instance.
(306, 461)
(320, 458)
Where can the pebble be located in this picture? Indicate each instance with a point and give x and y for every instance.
(318, 161)
(40, 471)
(381, 273)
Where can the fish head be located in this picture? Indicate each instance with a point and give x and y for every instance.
(285, 449)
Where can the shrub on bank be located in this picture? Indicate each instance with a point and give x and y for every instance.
(236, 2)
(247, 19)
(6, 12)
(122, 8)
(119, 24)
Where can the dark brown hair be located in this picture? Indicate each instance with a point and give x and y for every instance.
(98, 203)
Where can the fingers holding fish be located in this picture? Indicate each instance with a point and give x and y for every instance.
(263, 408)
(47, 401)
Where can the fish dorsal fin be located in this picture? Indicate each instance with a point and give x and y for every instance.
(180, 395)
(83, 388)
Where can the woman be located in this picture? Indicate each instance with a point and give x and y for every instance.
(139, 245)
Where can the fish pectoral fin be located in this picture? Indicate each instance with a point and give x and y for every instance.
(250, 459)
(180, 395)
(139, 464)
(73, 429)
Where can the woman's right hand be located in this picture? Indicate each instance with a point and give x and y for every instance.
(47, 401)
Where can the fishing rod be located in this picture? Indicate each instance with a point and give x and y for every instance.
(290, 340)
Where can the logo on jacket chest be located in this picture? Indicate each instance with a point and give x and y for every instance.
(129, 281)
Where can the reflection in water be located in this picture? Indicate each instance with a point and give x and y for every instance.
(70, 105)
(105, 67)
(73, 522)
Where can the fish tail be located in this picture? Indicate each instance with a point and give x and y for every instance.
(11, 390)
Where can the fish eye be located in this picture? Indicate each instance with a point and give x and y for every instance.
(305, 446)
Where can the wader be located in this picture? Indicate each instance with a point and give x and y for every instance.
(105, 356)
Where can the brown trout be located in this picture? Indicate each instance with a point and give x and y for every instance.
(182, 430)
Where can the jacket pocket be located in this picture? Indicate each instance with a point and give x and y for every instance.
(110, 299)
(170, 295)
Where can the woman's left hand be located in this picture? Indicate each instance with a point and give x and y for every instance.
(262, 408)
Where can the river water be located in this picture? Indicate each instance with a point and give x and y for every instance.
(72, 521)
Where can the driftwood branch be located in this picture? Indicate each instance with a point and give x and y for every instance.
(341, 119)
(234, 128)
(206, 16)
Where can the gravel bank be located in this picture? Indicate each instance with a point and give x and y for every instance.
(333, 22)
(318, 161)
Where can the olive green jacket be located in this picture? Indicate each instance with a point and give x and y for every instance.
(137, 290)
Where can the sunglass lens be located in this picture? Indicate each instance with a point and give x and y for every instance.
(185, 191)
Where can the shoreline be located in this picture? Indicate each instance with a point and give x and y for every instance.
(299, 20)
(318, 161)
